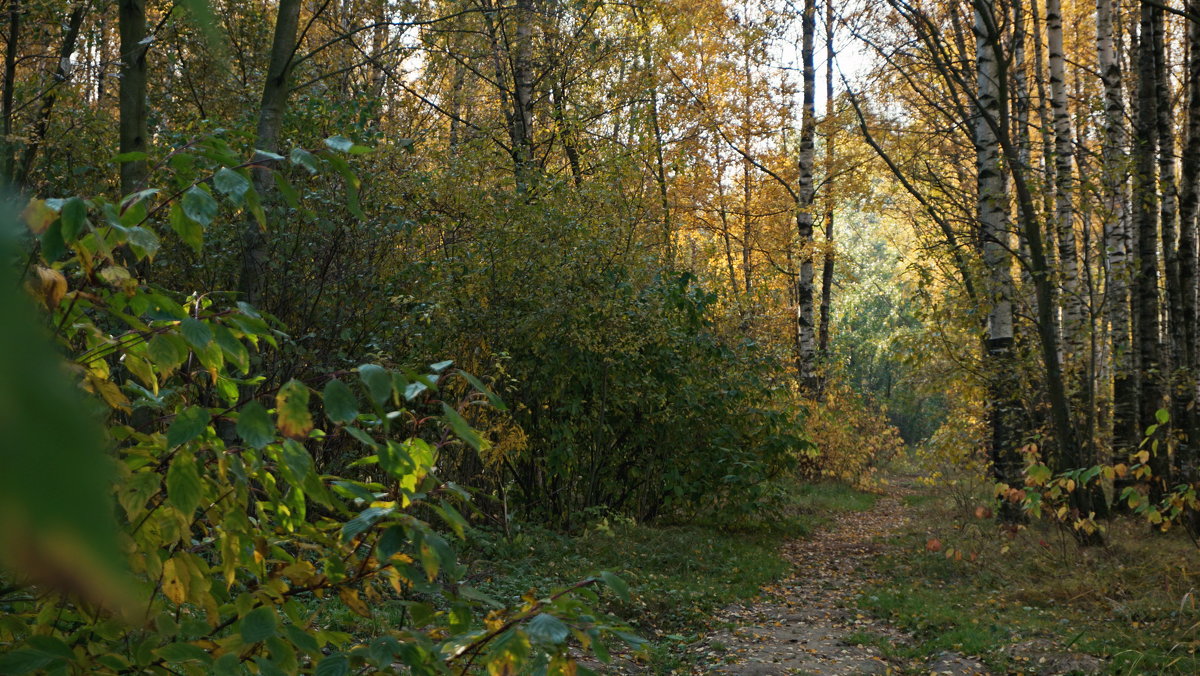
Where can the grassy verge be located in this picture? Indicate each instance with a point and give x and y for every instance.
(1010, 596)
(679, 574)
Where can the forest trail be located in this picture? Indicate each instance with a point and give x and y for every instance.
(804, 624)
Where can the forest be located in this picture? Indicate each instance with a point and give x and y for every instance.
(576, 336)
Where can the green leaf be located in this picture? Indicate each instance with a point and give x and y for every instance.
(297, 463)
(352, 490)
(232, 183)
(351, 183)
(143, 242)
(254, 425)
(440, 366)
(336, 664)
(183, 652)
(51, 645)
(199, 206)
(453, 518)
(475, 595)
(339, 143)
(494, 400)
(340, 404)
(24, 661)
(302, 639)
(259, 624)
(414, 390)
(285, 188)
(191, 232)
(363, 522)
(188, 424)
(196, 332)
(227, 665)
(1162, 416)
(183, 484)
(291, 405)
(617, 585)
(303, 158)
(462, 429)
(166, 351)
(74, 219)
(393, 540)
(53, 246)
(235, 351)
(547, 629)
(379, 383)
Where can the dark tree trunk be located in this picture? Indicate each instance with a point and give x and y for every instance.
(131, 16)
(270, 120)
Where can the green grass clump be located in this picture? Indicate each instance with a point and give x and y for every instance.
(818, 503)
(987, 589)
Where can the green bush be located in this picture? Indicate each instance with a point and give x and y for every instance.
(625, 396)
(173, 517)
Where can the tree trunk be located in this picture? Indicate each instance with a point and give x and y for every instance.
(827, 263)
(660, 165)
(1184, 408)
(10, 83)
(522, 66)
(131, 15)
(992, 214)
(1145, 207)
(805, 336)
(270, 120)
(1071, 293)
(1117, 238)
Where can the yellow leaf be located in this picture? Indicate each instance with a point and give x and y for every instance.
(175, 581)
(293, 416)
(38, 216)
(47, 284)
(108, 391)
(301, 573)
(350, 598)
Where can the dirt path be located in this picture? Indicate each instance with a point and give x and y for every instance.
(803, 625)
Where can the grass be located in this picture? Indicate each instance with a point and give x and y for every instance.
(1132, 603)
(679, 574)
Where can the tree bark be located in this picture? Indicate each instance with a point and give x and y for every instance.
(829, 257)
(10, 82)
(1124, 431)
(805, 336)
(1071, 293)
(522, 66)
(1145, 208)
(992, 214)
(131, 16)
(1189, 207)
